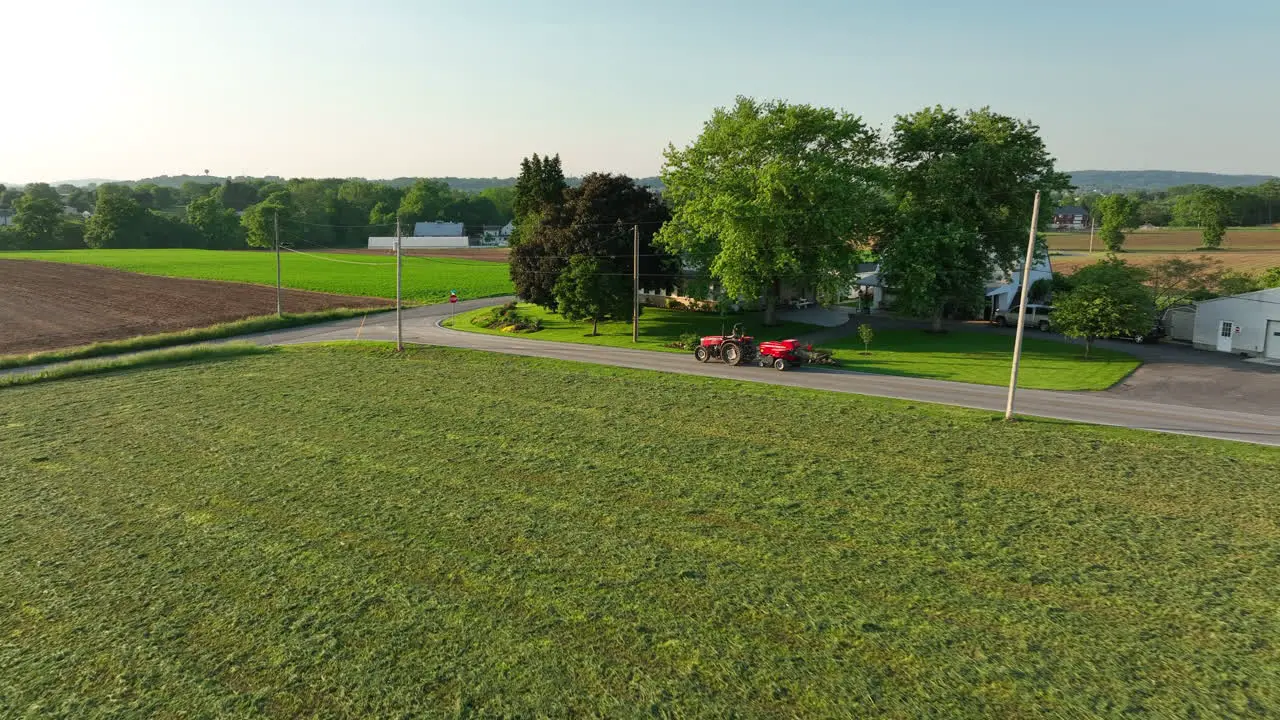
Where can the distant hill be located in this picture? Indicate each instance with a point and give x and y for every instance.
(1124, 180)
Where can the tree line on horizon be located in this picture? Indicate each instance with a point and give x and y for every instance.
(236, 214)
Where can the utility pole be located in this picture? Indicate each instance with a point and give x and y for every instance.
(635, 286)
(279, 308)
(1022, 306)
(399, 327)
(1092, 221)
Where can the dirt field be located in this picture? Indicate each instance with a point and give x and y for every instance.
(491, 254)
(1253, 262)
(1172, 240)
(44, 306)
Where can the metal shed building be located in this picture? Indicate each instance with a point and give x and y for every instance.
(1246, 324)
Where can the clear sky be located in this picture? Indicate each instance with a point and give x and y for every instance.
(381, 88)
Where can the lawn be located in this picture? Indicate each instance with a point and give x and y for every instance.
(425, 279)
(658, 327)
(971, 357)
(291, 535)
(984, 358)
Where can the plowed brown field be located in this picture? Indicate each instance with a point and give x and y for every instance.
(45, 305)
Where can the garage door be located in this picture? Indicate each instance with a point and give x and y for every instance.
(1273, 339)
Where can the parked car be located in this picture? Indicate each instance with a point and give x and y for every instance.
(1038, 316)
(802, 303)
(1156, 332)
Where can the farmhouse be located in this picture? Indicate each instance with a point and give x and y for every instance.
(1071, 217)
(1247, 324)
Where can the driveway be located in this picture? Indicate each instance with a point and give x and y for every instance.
(1171, 373)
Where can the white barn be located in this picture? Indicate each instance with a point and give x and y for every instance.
(419, 243)
(1247, 324)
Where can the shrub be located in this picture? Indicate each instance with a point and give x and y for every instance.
(507, 318)
(687, 341)
(674, 304)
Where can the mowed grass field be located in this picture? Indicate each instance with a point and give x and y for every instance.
(426, 280)
(290, 535)
(1171, 240)
(984, 358)
(971, 357)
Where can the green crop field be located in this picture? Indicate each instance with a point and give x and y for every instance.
(971, 357)
(425, 279)
(293, 535)
(984, 358)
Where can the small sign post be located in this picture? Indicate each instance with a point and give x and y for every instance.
(453, 301)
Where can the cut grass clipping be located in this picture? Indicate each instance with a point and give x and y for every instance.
(264, 323)
(291, 535)
(984, 358)
(168, 356)
(426, 280)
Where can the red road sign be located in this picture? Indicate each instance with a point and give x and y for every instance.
(453, 297)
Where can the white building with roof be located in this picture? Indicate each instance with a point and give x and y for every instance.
(1247, 324)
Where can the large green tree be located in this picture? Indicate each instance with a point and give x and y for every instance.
(595, 289)
(1108, 299)
(1208, 208)
(425, 201)
(260, 221)
(218, 226)
(118, 220)
(38, 216)
(598, 219)
(1117, 213)
(539, 188)
(964, 186)
(772, 192)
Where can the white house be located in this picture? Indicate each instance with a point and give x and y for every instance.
(6, 217)
(1247, 324)
(1004, 289)
(438, 229)
(498, 238)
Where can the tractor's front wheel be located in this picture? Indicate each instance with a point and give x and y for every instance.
(780, 364)
(731, 352)
(701, 354)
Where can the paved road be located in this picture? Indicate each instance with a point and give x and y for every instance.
(421, 326)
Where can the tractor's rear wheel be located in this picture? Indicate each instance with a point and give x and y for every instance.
(780, 364)
(731, 352)
(701, 354)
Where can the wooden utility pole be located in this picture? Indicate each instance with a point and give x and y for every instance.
(1022, 306)
(399, 327)
(1092, 222)
(635, 286)
(279, 306)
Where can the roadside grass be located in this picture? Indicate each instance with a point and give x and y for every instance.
(425, 279)
(658, 327)
(247, 326)
(984, 358)
(959, 356)
(149, 358)
(291, 535)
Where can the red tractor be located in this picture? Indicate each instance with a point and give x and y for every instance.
(739, 349)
